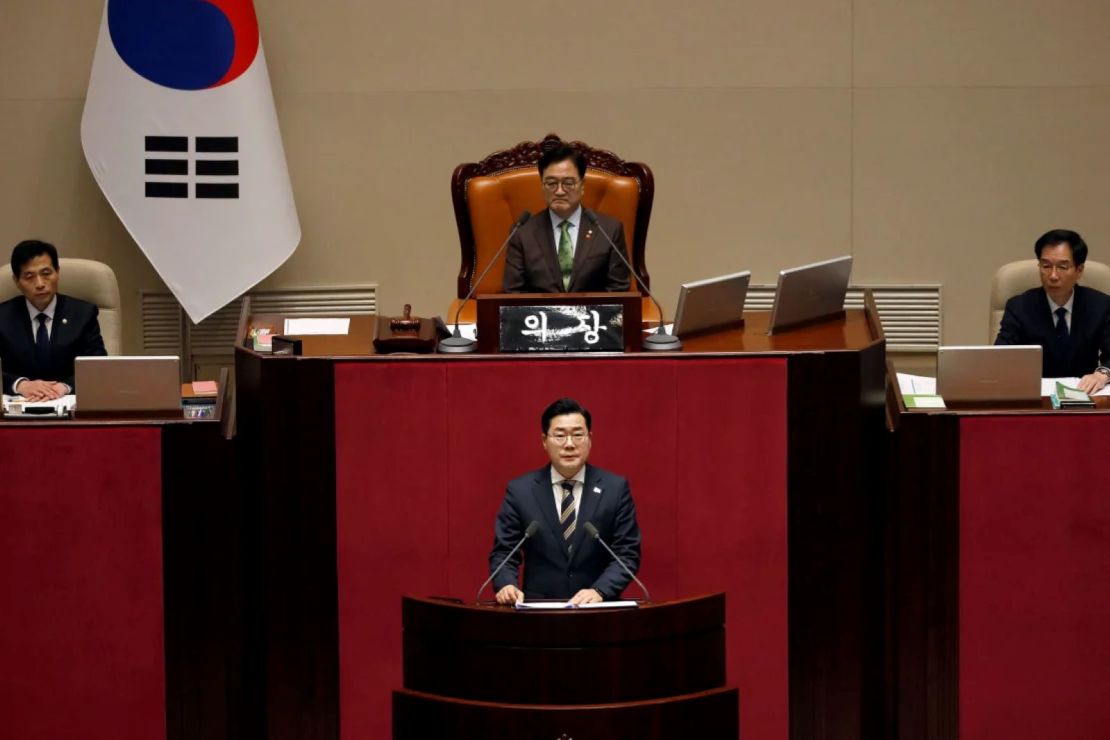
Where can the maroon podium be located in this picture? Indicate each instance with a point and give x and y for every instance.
(494, 672)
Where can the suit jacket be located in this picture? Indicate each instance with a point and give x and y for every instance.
(553, 567)
(532, 260)
(75, 333)
(1029, 320)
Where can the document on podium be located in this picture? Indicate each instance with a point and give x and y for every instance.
(557, 605)
(317, 327)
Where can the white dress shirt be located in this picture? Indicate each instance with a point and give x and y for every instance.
(49, 311)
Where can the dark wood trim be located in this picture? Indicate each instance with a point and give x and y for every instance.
(287, 465)
(835, 510)
(461, 651)
(709, 715)
(923, 577)
(202, 516)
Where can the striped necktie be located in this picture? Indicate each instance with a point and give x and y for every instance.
(566, 509)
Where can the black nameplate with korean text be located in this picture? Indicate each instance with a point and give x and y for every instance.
(589, 328)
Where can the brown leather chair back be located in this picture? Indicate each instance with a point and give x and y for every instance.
(490, 195)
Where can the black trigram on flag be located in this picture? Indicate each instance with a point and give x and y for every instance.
(160, 162)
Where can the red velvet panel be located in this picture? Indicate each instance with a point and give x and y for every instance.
(731, 521)
(392, 524)
(423, 452)
(1034, 583)
(81, 641)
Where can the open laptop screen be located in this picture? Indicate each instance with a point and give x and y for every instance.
(810, 293)
(993, 373)
(128, 385)
(713, 303)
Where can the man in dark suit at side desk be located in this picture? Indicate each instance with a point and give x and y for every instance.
(561, 561)
(41, 331)
(1069, 321)
(556, 252)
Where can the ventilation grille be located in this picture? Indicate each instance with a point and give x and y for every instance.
(910, 314)
(163, 324)
(166, 329)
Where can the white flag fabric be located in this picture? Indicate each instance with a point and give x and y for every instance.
(180, 132)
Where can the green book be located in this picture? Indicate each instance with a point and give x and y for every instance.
(1070, 398)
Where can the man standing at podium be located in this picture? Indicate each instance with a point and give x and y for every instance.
(41, 331)
(558, 250)
(561, 561)
(1069, 321)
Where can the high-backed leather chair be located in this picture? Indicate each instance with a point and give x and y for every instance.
(90, 281)
(490, 195)
(1017, 277)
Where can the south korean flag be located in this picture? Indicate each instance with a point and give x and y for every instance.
(180, 132)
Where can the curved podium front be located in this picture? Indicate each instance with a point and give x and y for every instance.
(657, 671)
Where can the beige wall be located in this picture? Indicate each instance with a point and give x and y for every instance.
(932, 140)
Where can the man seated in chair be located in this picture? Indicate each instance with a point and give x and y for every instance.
(1069, 321)
(42, 331)
(558, 250)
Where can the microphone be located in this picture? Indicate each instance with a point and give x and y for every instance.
(531, 530)
(660, 341)
(457, 344)
(592, 531)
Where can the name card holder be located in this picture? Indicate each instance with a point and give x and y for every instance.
(559, 322)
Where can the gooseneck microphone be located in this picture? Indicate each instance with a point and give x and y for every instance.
(531, 530)
(456, 343)
(592, 531)
(660, 341)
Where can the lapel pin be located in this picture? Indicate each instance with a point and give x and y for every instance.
(589, 233)
(65, 321)
(597, 490)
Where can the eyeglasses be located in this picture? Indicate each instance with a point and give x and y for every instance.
(1059, 266)
(560, 438)
(568, 183)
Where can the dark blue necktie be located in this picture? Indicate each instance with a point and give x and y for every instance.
(42, 344)
(1062, 324)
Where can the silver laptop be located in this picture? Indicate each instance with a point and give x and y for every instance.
(1002, 373)
(128, 386)
(810, 292)
(713, 303)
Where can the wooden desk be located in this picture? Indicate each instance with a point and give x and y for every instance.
(751, 460)
(999, 544)
(119, 581)
(608, 673)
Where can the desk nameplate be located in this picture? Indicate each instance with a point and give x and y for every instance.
(578, 328)
(568, 319)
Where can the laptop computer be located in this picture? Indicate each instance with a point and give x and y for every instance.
(990, 374)
(713, 303)
(811, 292)
(128, 386)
